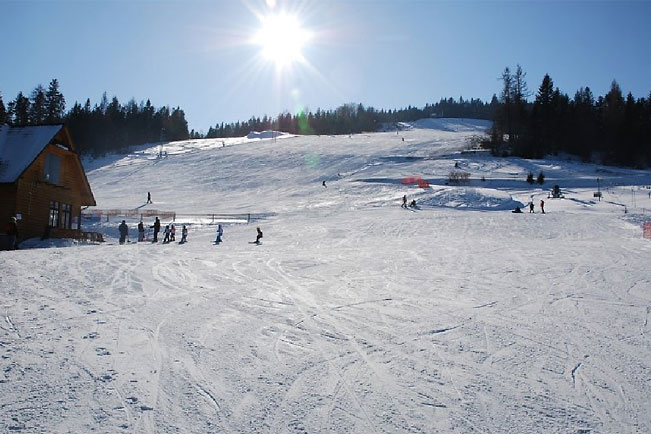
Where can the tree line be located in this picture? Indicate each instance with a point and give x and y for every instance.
(106, 127)
(355, 118)
(110, 126)
(612, 128)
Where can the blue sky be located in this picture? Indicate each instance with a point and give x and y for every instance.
(197, 54)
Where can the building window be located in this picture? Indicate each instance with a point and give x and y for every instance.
(66, 215)
(54, 214)
(52, 170)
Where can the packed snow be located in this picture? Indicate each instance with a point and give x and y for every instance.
(354, 314)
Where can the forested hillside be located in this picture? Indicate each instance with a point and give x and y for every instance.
(612, 128)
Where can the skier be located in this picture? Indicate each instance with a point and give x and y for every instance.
(172, 233)
(184, 235)
(542, 206)
(141, 231)
(257, 238)
(412, 204)
(531, 207)
(324, 184)
(220, 233)
(149, 197)
(166, 239)
(404, 201)
(124, 231)
(156, 227)
(12, 234)
(517, 210)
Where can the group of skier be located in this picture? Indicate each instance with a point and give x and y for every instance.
(412, 204)
(517, 209)
(170, 233)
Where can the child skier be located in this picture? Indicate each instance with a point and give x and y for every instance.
(184, 235)
(220, 233)
(166, 232)
(141, 231)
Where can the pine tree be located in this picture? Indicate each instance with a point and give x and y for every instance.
(520, 95)
(55, 103)
(583, 135)
(542, 118)
(20, 110)
(3, 112)
(506, 98)
(38, 109)
(612, 119)
(530, 177)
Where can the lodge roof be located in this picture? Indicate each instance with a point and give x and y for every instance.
(20, 146)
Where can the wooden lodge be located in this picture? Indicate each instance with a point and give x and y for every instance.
(42, 182)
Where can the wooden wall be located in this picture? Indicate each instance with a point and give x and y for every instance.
(34, 194)
(7, 204)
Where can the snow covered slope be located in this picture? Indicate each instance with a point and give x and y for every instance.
(354, 314)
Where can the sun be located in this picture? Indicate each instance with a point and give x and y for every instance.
(282, 39)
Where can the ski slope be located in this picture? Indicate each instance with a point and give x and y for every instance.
(354, 315)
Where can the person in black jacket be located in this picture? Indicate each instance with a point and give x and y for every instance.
(124, 231)
(12, 233)
(156, 227)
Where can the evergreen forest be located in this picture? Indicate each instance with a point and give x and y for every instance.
(613, 129)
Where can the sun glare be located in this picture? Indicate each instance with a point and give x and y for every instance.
(282, 39)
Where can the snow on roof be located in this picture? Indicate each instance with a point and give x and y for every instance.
(19, 146)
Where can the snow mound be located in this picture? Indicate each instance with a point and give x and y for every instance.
(471, 199)
(268, 134)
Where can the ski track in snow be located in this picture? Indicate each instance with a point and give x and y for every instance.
(352, 316)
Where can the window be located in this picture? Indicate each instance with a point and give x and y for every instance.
(66, 215)
(52, 168)
(54, 214)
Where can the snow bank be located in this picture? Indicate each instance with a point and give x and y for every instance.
(479, 199)
(255, 135)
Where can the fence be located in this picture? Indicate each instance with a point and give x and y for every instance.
(213, 218)
(208, 218)
(99, 214)
(646, 230)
